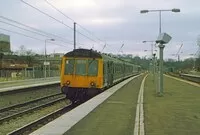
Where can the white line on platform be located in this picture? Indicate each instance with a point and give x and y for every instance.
(139, 118)
(185, 81)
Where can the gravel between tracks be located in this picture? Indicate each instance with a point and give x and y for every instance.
(18, 109)
(11, 125)
(16, 98)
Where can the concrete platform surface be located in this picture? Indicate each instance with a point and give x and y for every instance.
(177, 112)
(185, 81)
(66, 121)
(14, 85)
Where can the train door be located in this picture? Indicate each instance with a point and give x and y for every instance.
(105, 73)
(123, 68)
(110, 72)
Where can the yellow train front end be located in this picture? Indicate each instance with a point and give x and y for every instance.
(81, 74)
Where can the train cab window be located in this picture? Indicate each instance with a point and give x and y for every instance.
(81, 67)
(92, 67)
(69, 66)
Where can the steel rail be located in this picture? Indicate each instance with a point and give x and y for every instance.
(30, 110)
(26, 103)
(42, 121)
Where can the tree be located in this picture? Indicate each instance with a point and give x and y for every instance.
(26, 54)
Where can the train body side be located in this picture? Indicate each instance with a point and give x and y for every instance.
(115, 70)
(85, 73)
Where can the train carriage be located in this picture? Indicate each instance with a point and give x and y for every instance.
(85, 73)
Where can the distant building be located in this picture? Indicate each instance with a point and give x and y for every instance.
(4, 43)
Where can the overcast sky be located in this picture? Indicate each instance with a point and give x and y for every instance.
(113, 21)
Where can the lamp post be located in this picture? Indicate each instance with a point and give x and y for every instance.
(160, 11)
(161, 46)
(163, 38)
(1, 62)
(152, 43)
(153, 57)
(45, 57)
(194, 61)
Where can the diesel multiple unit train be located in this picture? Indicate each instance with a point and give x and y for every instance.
(85, 73)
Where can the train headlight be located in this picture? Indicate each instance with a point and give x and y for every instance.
(68, 83)
(92, 84)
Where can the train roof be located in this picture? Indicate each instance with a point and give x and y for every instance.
(94, 54)
(83, 53)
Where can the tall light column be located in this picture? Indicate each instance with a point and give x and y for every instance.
(160, 14)
(161, 46)
(45, 56)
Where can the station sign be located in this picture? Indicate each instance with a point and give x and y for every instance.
(46, 63)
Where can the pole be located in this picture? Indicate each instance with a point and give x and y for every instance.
(159, 21)
(154, 67)
(152, 58)
(156, 76)
(33, 69)
(161, 46)
(49, 70)
(74, 35)
(160, 77)
(45, 60)
(178, 57)
(1, 57)
(152, 49)
(194, 64)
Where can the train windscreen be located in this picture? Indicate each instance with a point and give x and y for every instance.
(92, 67)
(81, 67)
(69, 66)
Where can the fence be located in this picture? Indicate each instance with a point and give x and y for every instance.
(27, 73)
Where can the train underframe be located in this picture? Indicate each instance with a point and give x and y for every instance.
(79, 94)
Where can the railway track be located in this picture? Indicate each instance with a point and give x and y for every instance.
(192, 78)
(27, 129)
(34, 124)
(17, 110)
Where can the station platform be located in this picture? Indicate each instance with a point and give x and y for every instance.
(177, 112)
(20, 84)
(113, 109)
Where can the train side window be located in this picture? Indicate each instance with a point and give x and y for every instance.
(92, 67)
(105, 68)
(69, 66)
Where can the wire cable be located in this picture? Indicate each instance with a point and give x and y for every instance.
(54, 7)
(31, 31)
(40, 31)
(30, 36)
(50, 35)
(61, 22)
